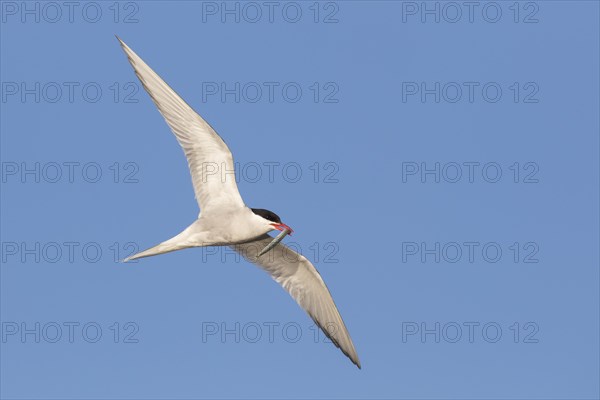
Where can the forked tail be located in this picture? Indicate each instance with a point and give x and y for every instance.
(162, 248)
(181, 241)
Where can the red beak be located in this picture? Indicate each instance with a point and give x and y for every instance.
(282, 226)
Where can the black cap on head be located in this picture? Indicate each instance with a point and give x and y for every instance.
(266, 214)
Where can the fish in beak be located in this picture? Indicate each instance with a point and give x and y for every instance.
(285, 230)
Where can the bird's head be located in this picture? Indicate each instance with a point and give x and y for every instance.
(272, 220)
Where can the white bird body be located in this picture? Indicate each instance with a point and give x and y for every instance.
(223, 227)
(225, 220)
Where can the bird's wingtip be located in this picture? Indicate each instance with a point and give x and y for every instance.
(355, 361)
(121, 42)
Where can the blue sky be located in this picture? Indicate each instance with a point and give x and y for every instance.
(437, 161)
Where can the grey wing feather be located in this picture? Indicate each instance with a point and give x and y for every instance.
(209, 159)
(299, 277)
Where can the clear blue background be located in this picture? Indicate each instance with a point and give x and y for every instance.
(369, 213)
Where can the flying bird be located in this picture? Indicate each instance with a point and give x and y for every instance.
(225, 220)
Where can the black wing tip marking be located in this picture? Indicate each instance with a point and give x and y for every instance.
(336, 343)
(135, 70)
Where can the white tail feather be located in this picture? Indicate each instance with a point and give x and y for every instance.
(182, 241)
(162, 248)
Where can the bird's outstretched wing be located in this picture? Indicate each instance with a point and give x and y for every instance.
(209, 159)
(302, 281)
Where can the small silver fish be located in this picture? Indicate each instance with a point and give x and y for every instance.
(278, 239)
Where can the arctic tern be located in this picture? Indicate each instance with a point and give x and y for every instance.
(225, 220)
